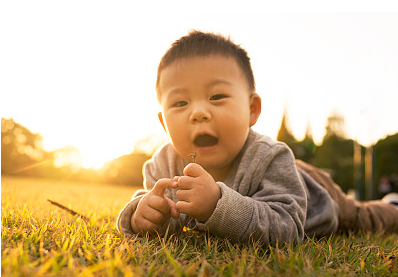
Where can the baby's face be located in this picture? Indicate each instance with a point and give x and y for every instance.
(206, 108)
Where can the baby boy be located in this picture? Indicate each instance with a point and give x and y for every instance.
(216, 174)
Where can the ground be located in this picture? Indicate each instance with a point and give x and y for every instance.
(40, 239)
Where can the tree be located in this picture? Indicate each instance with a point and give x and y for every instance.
(22, 154)
(385, 153)
(306, 148)
(336, 153)
(127, 169)
(335, 126)
(303, 150)
(284, 133)
(21, 150)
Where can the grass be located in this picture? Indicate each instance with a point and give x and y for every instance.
(39, 239)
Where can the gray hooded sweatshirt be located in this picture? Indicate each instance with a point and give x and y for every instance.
(264, 197)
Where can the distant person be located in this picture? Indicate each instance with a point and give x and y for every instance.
(394, 182)
(217, 175)
(385, 186)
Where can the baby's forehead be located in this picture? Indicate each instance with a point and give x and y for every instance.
(204, 70)
(211, 66)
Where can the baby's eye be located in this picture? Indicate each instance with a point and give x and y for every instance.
(218, 96)
(180, 104)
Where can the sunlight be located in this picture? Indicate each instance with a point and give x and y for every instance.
(68, 156)
(78, 158)
(93, 161)
(95, 157)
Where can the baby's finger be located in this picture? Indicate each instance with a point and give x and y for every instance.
(185, 183)
(173, 210)
(193, 170)
(160, 204)
(183, 207)
(155, 217)
(161, 186)
(142, 224)
(184, 195)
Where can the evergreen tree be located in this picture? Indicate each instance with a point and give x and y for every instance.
(336, 153)
(303, 150)
(284, 133)
(307, 146)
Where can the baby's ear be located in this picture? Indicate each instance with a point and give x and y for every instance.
(255, 108)
(160, 116)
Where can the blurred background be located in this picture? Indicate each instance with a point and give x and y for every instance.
(78, 99)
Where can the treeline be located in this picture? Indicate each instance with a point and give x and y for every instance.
(22, 154)
(336, 155)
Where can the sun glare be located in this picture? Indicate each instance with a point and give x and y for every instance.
(93, 162)
(76, 158)
(68, 156)
(93, 159)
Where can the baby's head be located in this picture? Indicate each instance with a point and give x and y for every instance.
(196, 44)
(206, 90)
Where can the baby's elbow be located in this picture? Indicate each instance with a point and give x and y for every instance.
(293, 235)
(285, 233)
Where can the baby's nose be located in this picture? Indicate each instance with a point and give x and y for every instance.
(200, 114)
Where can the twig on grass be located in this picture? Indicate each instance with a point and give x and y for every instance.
(68, 210)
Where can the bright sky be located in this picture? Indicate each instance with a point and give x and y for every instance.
(82, 73)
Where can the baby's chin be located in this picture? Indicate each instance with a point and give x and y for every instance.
(213, 163)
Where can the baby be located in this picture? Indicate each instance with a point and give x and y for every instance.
(216, 174)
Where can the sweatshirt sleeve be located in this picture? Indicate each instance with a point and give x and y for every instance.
(268, 203)
(123, 223)
(163, 164)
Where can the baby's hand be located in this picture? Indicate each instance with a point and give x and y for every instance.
(154, 209)
(198, 193)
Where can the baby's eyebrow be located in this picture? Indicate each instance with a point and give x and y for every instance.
(218, 82)
(176, 90)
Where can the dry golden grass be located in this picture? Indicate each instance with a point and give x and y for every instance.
(86, 198)
(39, 239)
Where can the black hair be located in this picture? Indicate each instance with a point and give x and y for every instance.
(198, 43)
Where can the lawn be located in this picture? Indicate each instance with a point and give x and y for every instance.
(40, 239)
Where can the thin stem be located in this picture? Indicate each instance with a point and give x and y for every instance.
(68, 210)
(193, 155)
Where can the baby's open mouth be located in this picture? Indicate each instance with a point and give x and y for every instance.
(205, 141)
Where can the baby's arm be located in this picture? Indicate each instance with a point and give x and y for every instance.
(154, 208)
(271, 209)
